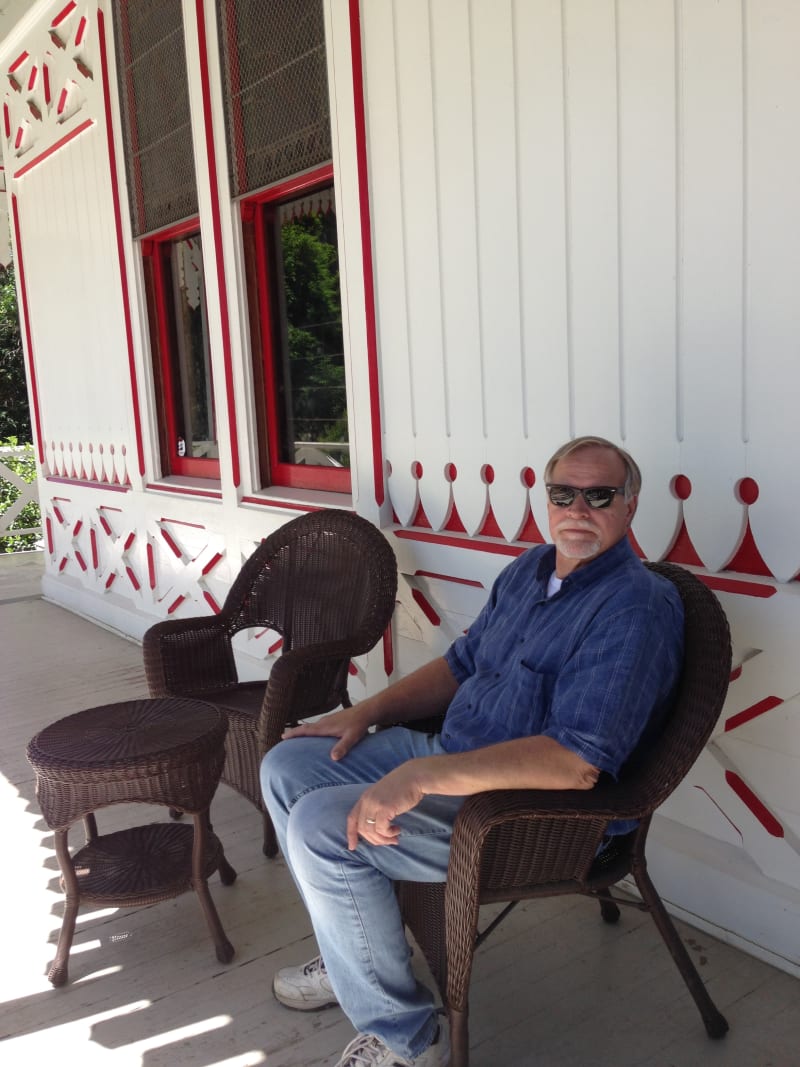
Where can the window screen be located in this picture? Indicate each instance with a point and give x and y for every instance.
(154, 95)
(275, 85)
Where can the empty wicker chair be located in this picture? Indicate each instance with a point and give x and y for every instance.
(519, 844)
(326, 582)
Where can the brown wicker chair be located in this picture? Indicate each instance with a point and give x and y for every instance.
(325, 581)
(518, 844)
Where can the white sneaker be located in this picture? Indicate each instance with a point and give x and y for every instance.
(304, 988)
(366, 1050)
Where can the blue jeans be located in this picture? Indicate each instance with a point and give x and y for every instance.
(349, 895)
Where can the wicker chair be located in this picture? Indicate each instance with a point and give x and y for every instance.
(326, 582)
(514, 845)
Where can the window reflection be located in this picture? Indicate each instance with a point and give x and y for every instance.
(195, 423)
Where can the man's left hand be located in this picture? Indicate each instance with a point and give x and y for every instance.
(372, 818)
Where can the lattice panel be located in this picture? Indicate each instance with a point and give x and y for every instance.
(50, 81)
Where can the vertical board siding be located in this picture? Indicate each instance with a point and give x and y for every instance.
(586, 221)
(462, 417)
(711, 129)
(773, 279)
(648, 261)
(419, 208)
(67, 236)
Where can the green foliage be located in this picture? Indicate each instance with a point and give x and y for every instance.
(314, 327)
(23, 464)
(15, 418)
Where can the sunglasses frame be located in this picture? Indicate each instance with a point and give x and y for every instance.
(612, 489)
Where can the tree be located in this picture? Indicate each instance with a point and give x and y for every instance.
(15, 420)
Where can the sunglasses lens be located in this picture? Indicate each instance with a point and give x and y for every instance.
(561, 495)
(599, 497)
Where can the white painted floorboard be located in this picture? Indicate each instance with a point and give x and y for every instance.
(555, 987)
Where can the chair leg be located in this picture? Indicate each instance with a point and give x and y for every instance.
(608, 907)
(715, 1022)
(459, 1038)
(270, 841)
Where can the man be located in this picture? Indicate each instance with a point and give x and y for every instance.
(577, 648)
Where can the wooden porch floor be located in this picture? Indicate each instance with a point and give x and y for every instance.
(555, 986)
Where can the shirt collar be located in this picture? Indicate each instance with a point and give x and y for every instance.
(617, 556)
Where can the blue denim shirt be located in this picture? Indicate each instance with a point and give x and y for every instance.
(588, 667)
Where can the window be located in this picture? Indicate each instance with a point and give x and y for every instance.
(179, 341)
(296, 324)
(156, 125)
(275, 87)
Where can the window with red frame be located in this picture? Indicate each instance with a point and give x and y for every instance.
(159, 160)
(296, 323)
(273, 67)
(175, 287)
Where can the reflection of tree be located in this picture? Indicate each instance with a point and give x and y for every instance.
(314, 321)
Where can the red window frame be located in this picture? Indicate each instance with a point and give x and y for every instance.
(260, 290)
(156, 251)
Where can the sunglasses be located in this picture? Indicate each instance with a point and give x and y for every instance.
(596, 496)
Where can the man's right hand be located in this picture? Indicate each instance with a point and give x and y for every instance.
(350, 725)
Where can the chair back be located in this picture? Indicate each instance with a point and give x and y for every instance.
(324, 576)
(660, 763)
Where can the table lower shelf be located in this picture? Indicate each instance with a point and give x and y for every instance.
(142, 865)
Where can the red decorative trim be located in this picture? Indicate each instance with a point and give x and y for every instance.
(18, 62)
(755, 805)
(212, 563)
(80, 559)
(172, 544)
(449, 578)
(175, 605)
(753, 712)
(352, 670)
(63, 13)
(105, 486)
(366, 251)
(81, 30)
(54, 147)
(23, 293)
(274, 648)
(460, 542)
(428, 609)
(49, 532)
(133, 579)
(291, 506)
(95, 553)
(731, 585)
(222, 286)
(388, 651)
(123, 272)
(162, 487)
(151, 565)
(736, 673)
(211, 602)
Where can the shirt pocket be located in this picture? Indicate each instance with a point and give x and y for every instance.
(529, 695)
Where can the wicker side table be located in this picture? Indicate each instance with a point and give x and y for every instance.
(166, 751)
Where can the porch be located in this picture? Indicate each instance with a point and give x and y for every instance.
(555, 986)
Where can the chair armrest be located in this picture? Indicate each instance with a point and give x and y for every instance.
(521, 837)
(188, 656)
(304, 682)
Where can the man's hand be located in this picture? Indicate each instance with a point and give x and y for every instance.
(349, 725)
(373, 816)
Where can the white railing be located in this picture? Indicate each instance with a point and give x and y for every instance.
(16, 465)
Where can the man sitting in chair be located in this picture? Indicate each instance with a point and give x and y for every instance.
(578, 647)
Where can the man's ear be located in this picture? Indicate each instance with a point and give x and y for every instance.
(630, 507)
